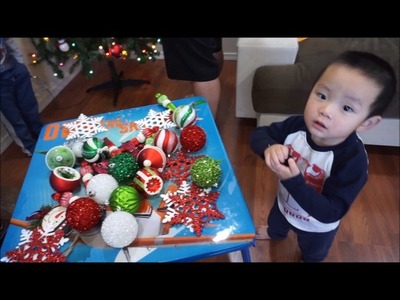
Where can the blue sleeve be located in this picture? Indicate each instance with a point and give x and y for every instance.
(348, 176)
(275, 133)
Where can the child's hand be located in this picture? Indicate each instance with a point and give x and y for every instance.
(277, 158)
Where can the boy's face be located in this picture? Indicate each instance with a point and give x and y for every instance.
(339, 104)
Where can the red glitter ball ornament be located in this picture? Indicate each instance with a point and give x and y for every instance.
(193, 138)
(83, 214)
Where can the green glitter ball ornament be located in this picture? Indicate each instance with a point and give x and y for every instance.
(123, 167)
(125, 198)
(206, 172)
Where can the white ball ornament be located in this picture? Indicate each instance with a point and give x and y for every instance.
(119, 229)
(63, 46)
(100, 188)
(76, 147)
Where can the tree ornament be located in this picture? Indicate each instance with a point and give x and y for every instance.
(62, 45)
(55, 219)
(116, 50)
(152, 156)
(167, 140)
(84, 127)
(60, 156)
(92, 149)
(206, 172)
(193, 138)
(119, 229)
(164, 101)
(65, 179)
(76, 147)
(38, 246)
(126, 198)
(100, 188)
(184, 115)
(123, 167)
(148, 182)
(83, 214)
(64, 198)
(86, 172)
(101, 167)
(178, 167)
(192, 206)
(112, 148)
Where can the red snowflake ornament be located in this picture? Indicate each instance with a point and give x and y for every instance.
(191, 206)
(177, 168)
(38, 246)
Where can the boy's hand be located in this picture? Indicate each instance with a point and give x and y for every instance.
(277, 158)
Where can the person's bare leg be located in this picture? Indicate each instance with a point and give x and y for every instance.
(211, 90)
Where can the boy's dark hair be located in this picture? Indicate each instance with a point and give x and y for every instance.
(375, 68)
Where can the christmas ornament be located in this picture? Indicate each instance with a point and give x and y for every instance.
(76, 147)
(62, 45)
(192, 206)
(112, 149)
(184, 115)
(148, 182)
(193, 138)
(178, 167)
(125, 198)
(136, 144)
(160, 119)
(59, 156)
(83, 214)
(119, 229)
(152, 156)
(84, 127)
(100, 188)
(65, 198)
(123, 167)
(38, 245)
(116, 50)
(167, 140)
(164, 101)
(54, 219)
(92, 149)
(86, 172)
(101, 167)
(206, 172)
(63, 179)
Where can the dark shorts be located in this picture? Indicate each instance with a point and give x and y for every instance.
(191, 59)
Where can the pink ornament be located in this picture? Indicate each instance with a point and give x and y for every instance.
(167, 140)
(152, 156)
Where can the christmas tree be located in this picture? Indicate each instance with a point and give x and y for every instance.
(57, 51)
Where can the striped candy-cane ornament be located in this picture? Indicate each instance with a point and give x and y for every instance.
(167, 140)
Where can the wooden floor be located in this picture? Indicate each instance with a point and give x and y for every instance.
(369, 233)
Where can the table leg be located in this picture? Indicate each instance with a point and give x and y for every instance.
(246, 255)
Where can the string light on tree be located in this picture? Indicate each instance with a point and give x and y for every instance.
(84, 51)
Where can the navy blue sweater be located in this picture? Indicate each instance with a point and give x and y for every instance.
(330, 177)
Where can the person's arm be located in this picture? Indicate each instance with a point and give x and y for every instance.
(264, 136)
(347, 178)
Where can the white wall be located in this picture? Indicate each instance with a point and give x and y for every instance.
(46, 86)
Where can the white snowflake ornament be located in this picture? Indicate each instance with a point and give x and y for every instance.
(84, 127)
